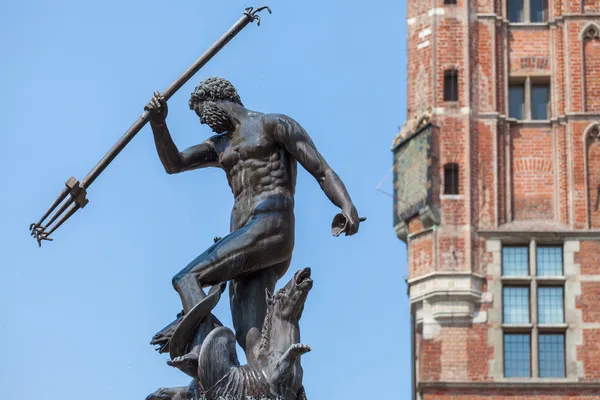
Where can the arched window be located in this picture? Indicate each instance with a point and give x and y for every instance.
(451, 178)
(451, 85)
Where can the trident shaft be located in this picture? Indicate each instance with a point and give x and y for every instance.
(73, 196)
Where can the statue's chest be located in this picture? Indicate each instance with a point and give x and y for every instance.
(246, 145)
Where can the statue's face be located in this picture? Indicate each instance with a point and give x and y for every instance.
(289, 301)
(213, 115)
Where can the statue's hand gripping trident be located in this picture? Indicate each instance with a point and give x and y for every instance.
(73, 196)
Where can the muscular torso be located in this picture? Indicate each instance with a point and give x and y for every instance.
(261, 173)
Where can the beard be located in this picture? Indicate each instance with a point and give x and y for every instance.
(215, 117)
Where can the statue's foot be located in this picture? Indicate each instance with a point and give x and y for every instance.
(185, 362)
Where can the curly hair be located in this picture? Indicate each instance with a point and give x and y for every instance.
(213, 89)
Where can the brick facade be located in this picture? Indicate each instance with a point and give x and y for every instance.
(529, 182)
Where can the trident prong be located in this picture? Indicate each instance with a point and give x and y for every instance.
(252, 13)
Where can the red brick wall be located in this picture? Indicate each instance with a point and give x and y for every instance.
(574, 64)
(430, 365)
(591, 6)
(515, 394)
(529, 51)
(419, 54)
(589, 301)
(591, 50)
(420, 251)
(532, 173)
(593, 172)
(588, 354)
(579, 194)
(588, 258)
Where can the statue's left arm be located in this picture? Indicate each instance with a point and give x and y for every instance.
(298, 143)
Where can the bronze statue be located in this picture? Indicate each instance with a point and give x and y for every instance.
(258, 153)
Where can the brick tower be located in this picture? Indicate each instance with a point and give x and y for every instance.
(497, 195)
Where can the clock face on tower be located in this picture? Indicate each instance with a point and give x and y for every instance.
(412, 174)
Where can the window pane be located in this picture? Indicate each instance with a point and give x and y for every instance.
(516, 98)
(540, 94)
(516, 305)
(539, 10)
(549, 261)
(515, 10)
(451, 85)
(451, 178)
(550, 305)
(552, 355)
(517, 357)
(515, 261)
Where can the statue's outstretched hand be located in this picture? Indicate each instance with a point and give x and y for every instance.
(157, 107)
(346, 222)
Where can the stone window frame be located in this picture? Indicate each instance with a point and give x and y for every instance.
(528, 81)
(572, 316)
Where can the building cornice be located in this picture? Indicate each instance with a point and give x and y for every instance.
(500, 234)
(537, 25)
(444, 274)
(529, 384)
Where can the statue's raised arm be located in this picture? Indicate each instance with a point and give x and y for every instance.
(199, 156)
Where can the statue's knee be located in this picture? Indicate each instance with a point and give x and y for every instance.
(176, 281)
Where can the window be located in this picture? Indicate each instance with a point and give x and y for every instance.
(516, 101)
(527, 10)
(533, 315)
(517, 360)
(515, 10)
(552, 355)
(538, 10)
(516, 305)
(451, 178)
(549, 261)
(449, 1)
(540, 97)
(515, 261)
(529, 100)
(550, 305)
(451, 85)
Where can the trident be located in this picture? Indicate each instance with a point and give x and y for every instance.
(73, 196)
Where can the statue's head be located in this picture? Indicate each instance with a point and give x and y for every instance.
(208, 99)
(288, 302)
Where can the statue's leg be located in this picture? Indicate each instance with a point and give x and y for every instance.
(267, 239)
(249, 306)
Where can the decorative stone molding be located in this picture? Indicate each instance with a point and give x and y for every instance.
(429, 216)
(591, 32)
(593, 134)
(402, 230)
(446, 298)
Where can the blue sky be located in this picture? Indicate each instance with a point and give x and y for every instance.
(76, 315)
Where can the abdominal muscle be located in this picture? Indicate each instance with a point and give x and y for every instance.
(262, 186)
